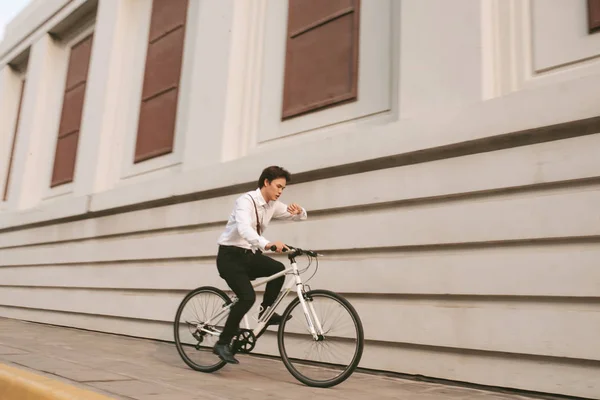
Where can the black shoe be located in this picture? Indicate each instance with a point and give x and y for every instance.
(275, 319)
(224, 353)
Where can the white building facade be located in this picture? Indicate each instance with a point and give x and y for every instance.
(447, 152)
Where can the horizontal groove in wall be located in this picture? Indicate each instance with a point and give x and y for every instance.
(486, 353)
(220, 192)
(560, 241)
(324, 213)
(498, 142)
(117, 317)
(526, 137)
(112, 317)
(186, 228)
(556, 241)
(108, 262)
(183, 292)
(460, 197)
(481, 298)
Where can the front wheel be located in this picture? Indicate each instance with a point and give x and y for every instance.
(333, 356)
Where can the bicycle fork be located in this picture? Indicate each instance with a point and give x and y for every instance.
(309, 310)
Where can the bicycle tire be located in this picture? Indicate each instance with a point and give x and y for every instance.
(184, 357)
(357, 355)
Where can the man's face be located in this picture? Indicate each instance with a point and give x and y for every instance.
(274, 188)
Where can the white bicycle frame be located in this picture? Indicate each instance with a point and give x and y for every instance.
(314, 325)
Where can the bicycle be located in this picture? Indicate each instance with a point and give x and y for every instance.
(317, 329)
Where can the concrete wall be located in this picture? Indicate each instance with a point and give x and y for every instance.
(457, 203)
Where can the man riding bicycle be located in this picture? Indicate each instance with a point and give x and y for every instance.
(240, 258)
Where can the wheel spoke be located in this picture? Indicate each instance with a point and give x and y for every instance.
(195, 347)
(329, 361)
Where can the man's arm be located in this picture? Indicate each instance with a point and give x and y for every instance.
(292, 212)
(243, 211)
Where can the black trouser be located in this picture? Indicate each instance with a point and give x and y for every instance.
(238, 267)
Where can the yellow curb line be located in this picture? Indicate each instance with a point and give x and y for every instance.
(18, 384)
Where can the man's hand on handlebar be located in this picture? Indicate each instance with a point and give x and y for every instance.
(276, 246)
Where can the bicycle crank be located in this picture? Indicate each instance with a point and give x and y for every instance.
(244, 342)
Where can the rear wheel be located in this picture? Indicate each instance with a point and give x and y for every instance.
(193, 339)
(332, 357)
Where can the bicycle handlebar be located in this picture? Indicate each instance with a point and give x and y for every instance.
(297, 251)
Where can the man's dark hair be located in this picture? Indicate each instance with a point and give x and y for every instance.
(271, 173)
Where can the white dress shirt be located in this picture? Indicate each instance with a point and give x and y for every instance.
(241, 231)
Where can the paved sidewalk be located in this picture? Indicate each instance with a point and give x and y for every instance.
(128, 368)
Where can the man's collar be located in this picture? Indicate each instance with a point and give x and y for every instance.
(259, 197)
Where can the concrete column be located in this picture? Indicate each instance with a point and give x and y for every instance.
(10, 91)
(205, 81)
(440, 56)
(95, 168)
(34, 153)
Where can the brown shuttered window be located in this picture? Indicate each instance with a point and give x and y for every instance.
(593, 15)
(321, 62)
(14, 141)
(70, 120)
(156, 126)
